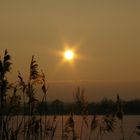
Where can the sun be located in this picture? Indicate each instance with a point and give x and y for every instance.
(69, 55)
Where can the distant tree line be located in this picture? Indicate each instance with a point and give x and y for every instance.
(105, 106)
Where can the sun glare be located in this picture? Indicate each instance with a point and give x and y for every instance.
(69, 55)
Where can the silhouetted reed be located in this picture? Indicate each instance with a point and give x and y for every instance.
(29, 124)
(82, 106)
(69, 129)
(119, 115)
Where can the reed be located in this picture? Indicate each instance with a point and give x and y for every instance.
(119, 115)
(32, 126)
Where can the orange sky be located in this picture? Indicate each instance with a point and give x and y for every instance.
(107, 33)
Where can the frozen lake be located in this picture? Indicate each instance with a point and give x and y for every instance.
(130, 123)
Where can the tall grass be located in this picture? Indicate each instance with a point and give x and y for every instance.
(31, 127)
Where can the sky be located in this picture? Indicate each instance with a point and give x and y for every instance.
(105, 34)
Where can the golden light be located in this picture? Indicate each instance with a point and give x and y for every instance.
(69, 55)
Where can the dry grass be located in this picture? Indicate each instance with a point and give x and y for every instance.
(33, 128)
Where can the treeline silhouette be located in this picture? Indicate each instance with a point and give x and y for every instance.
(105, 106)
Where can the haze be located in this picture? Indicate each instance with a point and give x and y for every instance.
(106, 33)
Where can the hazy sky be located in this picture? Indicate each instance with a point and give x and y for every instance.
(107, 33)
